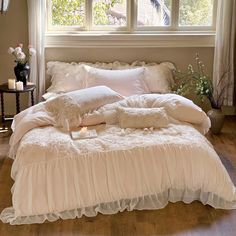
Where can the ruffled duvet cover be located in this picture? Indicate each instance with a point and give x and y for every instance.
(122, 169)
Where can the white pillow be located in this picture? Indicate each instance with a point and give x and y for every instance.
(68, 108)
(125, 82)
(65, 77)
(142, 117)
(159, 78)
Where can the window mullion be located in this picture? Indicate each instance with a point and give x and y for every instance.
(88, 12)
(175, 14)
(133, 15)
(132, 20)
(49, 15)
(214, 14)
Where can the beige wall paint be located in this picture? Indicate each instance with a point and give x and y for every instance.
(13, 30)
(180, 56)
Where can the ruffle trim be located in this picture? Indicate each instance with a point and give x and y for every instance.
(149, 202)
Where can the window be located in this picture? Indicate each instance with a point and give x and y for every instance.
(67, 13)
(154, 13)
(195, 13)
(109, 13)
(131, 15)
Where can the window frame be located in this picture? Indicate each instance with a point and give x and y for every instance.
(51, 28)
(170, 36)
(88, 27)
(108, 28)
(131, 27)
(174, 26)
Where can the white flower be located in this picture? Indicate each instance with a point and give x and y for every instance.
(32, 51)
(18, 50)
(20, 56)
(10, 50)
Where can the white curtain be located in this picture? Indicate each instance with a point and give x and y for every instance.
(36, 19)
(224, 59)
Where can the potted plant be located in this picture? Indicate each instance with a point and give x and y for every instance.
(197, 81)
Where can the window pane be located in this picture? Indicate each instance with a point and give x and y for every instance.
(109, 12)
(195, 12)
(68, 12)
(154, 12)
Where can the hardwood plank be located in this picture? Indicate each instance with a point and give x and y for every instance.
(175, 219)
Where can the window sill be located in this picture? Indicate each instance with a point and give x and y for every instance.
(134, 40)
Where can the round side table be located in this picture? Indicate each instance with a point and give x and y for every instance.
(29, 88)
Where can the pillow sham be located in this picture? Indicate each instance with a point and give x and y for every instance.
(159, 78)
(68, 108)
(125, 82)
(142, 117)
(65, 77)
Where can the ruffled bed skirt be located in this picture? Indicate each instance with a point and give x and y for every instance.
(150, 202)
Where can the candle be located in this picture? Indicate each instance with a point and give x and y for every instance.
(11, 84)
(83, 131)
(19, 85)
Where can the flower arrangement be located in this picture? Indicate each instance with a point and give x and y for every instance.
(197, 81)
(21, 57)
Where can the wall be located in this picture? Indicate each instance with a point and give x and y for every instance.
(180, 56)
(14, 29)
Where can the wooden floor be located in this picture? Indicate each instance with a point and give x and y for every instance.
(175, 219)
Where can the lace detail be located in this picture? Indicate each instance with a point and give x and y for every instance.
(116, 65)
(148, 202)
(48, 139)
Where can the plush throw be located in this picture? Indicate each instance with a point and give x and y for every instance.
(142, 117)
(68, 108)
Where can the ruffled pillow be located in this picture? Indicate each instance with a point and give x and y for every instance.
(65, 77)
(67, 109)
(159, 78)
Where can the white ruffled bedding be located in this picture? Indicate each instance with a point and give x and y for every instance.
(56, 177)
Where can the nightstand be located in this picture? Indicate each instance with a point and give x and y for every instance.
(29, 88)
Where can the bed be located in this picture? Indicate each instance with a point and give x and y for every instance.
(150, 150)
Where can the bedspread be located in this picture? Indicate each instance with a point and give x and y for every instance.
(122, 169)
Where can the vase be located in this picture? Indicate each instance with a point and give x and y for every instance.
(22, 72)
(217, 118)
